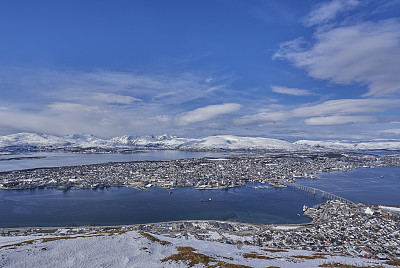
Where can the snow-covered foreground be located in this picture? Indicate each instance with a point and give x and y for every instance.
(132, 249)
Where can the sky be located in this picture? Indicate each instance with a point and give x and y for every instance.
(281, 69)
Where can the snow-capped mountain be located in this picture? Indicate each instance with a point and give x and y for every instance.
(34, 141)
(31, 140)
(230, 142)
(352, 145)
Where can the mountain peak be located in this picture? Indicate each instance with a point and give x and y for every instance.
(30, 141)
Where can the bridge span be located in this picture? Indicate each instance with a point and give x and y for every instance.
(322, 193)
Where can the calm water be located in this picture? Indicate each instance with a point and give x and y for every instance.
(73, 159)
(363, 185)
(114, 206)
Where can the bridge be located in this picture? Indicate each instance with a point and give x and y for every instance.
(322, 193)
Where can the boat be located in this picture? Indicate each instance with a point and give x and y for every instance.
(206, 200)
(305, 208)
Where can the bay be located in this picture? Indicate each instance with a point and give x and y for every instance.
(380, 185)
(116, 206)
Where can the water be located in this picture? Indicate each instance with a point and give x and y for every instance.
(363, 185)
(115, 206)
(48, 159)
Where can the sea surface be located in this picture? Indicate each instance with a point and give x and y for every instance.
(121, 205)
(116, 206)
(379, 185)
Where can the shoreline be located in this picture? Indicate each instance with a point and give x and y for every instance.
(297, 225)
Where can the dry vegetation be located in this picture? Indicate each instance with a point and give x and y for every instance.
(19, 244)
(49, 239)
(188, 255)
(255, 255)
(315, 256)
(341, 265)
(394, 263)
(191, 258)
(154, 239)
(274, 250)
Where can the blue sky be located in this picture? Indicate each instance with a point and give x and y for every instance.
(280, 69)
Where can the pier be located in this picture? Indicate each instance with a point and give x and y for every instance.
(322, 193)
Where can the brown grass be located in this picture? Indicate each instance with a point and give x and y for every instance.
(222, 264)
(187, 254)
(274, 250)
(341, 265)
(19, 244)
(191, 258)
(394, 263)
(49, 239)
(254, 255)
(115, 232)
(154, 239)
(315, 256)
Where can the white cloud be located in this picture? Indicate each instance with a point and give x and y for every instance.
(366, 53)
(346, 107)
(332, 112)
(395, 131)
(208, 112)
(161, 118)
(291, 91)
(339, 120)
(72, 107)
(114, 98)
(328, 11)
(100, 102)
(261, 118)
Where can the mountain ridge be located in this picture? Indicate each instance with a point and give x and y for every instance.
(39, 141)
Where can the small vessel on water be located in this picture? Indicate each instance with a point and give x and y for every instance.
(206, 200)
(260, 187)
(305, 208)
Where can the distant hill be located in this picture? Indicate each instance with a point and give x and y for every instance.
(85, 142)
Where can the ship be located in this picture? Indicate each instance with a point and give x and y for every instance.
(305, 208)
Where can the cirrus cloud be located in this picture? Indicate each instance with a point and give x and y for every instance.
(291, 91)
(332, 112)
(339, 120)
(327, 11)
(208, 112)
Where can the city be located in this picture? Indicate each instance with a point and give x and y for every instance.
(203, 173)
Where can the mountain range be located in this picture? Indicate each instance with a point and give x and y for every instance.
(35, 141)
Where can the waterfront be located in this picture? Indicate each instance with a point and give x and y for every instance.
(51, 159)
(40, 204)
(121, 205)
(379, 185)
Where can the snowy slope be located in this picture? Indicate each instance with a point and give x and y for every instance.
(235, 143)
(131, 249)
(34, 141)
(348, 145)
(31, 139)
(229, 142)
